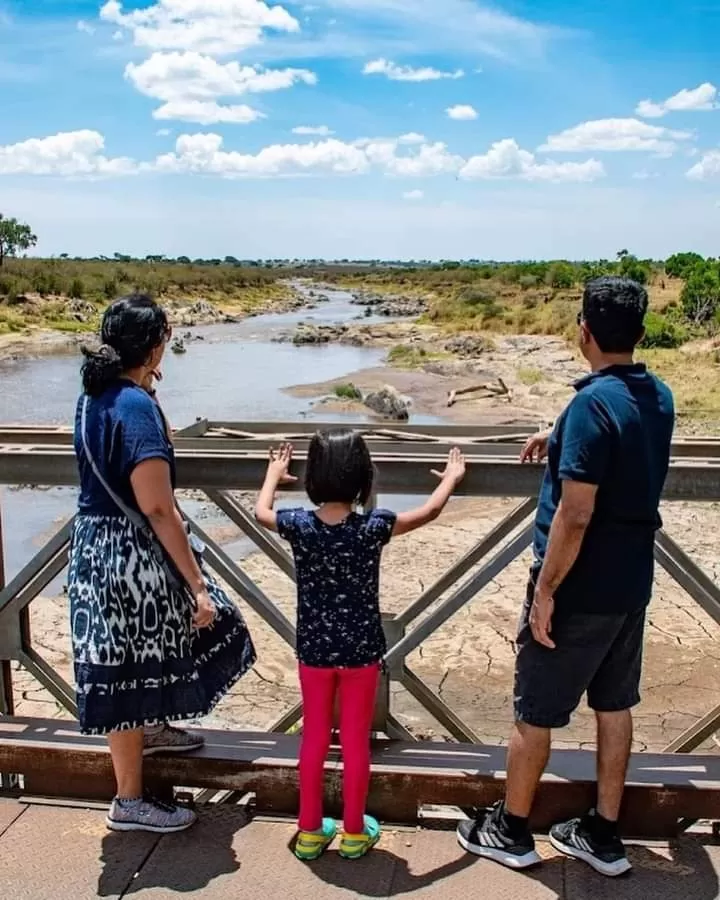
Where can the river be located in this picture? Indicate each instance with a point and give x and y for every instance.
(236, 372)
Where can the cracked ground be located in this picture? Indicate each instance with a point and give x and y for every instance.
(469, 661)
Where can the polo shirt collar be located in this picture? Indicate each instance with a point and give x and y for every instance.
(619, 371)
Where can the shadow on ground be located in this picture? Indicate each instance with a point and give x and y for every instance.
(182, 863)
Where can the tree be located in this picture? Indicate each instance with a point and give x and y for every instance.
(700, 297)
(14, 236)
(634, 268)
(680, 264)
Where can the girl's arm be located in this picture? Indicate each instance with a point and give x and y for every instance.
(277, 474)
(452, 475)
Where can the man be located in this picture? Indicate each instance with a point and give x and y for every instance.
(583, 620)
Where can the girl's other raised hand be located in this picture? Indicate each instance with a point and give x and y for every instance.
(454, 467)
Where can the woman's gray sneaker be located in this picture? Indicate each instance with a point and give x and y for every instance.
(149, 815)
(170, 740)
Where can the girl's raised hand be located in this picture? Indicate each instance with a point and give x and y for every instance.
(279, 464)
(454, 467)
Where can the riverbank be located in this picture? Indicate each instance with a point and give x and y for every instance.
(47, 326)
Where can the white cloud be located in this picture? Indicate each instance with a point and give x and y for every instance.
(203, 153)
(698, 99)
(315, 130)
(614, 135)
(207, 112)
(707, 167)
(412, 137)
(190, 84)
(190, 75)
(413, 195)
(505, 159)
(644, 175)
(462, 113)
(395, 72)
(163, 132)
(210, 26)
(72, 153)
(428, 159)
(85, 27)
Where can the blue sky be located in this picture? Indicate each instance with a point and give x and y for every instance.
(362, 128)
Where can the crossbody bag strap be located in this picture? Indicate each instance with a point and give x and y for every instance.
(136, 518)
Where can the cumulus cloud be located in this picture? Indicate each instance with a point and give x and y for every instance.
(462, 113)
(505, 159)
(616, 135)
(315, 130)
(428, 159)
(204, 153)
(395, 72)
(707, 167)
(207, 112)
(412, 137)
(413, 195)
(193, 81)
(697, 99)
(85, 27)
(71, 153)
(210, 26)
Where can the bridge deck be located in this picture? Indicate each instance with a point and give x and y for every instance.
(65, 853)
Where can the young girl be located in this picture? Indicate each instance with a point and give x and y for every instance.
(340, 639)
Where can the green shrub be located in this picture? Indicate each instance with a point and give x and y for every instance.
(77, 289)
(663, 331)
(347, 392)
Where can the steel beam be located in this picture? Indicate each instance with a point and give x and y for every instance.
(463, 566)
(437, 707)
(259, 602)
(697, 734)
(408, 474)
(457, 600)
(259, 536)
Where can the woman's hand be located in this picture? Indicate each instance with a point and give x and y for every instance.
(454, 467)
(205, 612)
(279, 465)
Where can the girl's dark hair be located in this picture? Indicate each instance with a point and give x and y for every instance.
(132, 328)
(339, 468)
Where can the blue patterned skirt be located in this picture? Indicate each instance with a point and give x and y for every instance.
(138, 660)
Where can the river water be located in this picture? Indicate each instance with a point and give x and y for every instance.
(235, 373)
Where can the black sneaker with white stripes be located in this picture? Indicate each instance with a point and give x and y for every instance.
(488, 837)
(575, 838)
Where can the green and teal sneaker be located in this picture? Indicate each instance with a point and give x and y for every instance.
(310, 845)
(353, 846)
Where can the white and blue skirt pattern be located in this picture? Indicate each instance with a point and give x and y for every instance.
(138, 660)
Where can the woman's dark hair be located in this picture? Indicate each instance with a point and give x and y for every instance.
(614, 309)
(339, 468)
(132, 328)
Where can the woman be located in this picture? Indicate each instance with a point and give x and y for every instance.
(155, 639)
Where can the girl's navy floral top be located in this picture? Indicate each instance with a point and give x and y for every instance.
(338, 584)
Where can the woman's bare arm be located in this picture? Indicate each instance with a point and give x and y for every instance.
(153, 491)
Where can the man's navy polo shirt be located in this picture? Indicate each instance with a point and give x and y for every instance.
(615, 433)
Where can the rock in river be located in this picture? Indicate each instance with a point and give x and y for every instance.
(389, 403)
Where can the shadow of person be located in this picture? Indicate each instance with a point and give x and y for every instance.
(685, 868)
(183, 863)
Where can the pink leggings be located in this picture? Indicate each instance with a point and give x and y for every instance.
(356, 689)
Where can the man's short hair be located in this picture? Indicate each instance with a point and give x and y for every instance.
(613, 309)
